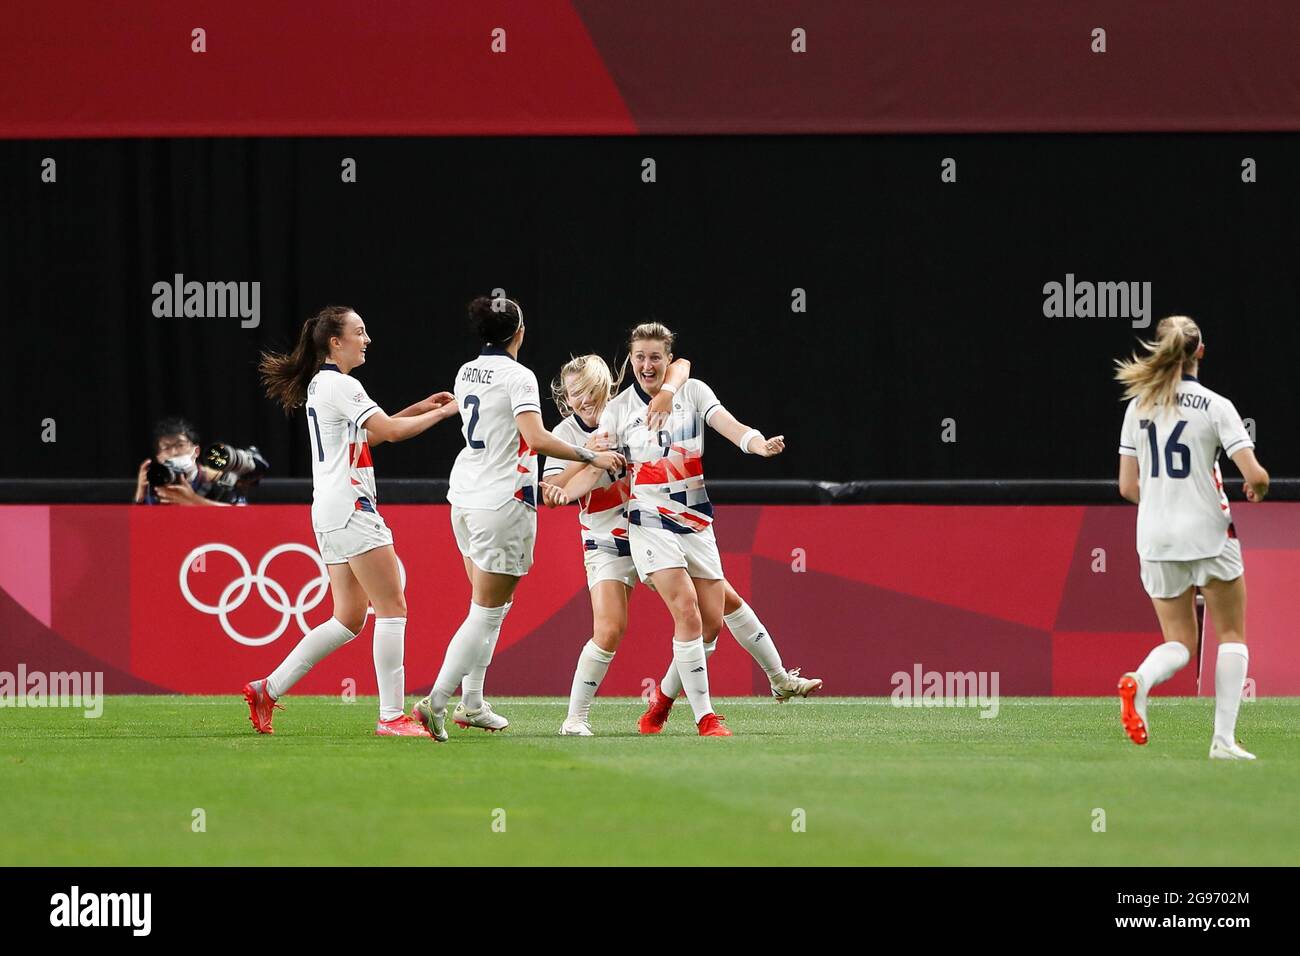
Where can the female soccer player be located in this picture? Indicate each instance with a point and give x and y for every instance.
(670, 518)
(581, 391)
(343, 424)
(1174, 428)
(493, 504)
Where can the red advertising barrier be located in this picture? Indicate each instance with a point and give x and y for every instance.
(200, 600)
(82, 68)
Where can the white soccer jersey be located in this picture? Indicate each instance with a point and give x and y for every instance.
(602, 516)
(496, 463)
(667, 480)
(342, 474)
(1183, 512)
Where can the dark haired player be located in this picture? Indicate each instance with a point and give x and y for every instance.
(493, 500)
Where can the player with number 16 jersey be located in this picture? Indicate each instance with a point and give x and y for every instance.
(1173, 433)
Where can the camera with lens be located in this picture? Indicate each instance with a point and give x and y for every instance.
(238, 468)
(165, 473)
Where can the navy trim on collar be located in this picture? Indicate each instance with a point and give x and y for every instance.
(583, 425)
(1190, 378)
(330, 367)
(497, 350)
(641, 392)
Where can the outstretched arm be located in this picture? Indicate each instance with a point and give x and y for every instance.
(749, 440)
(544, 443)
(436, 400)
(381, 428)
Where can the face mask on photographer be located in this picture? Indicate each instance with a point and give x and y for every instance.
(183, 463)
(177, 452)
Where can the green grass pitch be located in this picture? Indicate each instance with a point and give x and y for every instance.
(876, 784)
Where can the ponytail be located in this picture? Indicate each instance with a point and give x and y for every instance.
(287, 375)
(1153, 378)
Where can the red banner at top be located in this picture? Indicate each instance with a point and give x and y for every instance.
(77, 68)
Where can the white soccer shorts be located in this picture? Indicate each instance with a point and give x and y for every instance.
(603, 566)
(364, 532)
(1169, 579)
(498, 540)
(654, 549)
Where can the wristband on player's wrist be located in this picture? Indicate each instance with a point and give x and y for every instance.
(669, 388)
(747, 437)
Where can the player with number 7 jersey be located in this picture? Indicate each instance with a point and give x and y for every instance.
(493, 498)
(355, 543)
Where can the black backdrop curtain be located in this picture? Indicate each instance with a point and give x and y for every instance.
(924, 298)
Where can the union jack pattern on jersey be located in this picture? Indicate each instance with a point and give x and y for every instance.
(602, 515)
(667, 466)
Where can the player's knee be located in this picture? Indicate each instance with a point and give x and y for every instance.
(354, 621)
(687, 614)
(607, 636)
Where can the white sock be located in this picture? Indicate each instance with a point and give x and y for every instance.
(1229, 676)
(389, 648)
(311, 650)
(747, 629)
(690, 660)
(592, 666)
(471, 688)
(671, 685)
(1164, 661)
(466, 648)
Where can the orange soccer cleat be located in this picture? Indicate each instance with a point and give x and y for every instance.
(656, 715)
(1135, 724)
(402, 726)
(711, 726)
(260, 706)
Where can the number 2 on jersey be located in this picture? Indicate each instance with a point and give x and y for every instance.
(471, 402)
(1184, 467)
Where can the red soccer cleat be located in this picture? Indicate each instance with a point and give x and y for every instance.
(656, 715)
(711, 726)
(1134, 725)
(403, 726)
(260, 706)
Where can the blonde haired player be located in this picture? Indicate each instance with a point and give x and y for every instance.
(581, 391)
(670, 517)
(1174, 428)
(343, 424)
(494, 505)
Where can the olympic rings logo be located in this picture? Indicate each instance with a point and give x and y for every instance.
(270, 590)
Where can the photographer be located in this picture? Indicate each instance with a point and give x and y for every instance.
(181, 473)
